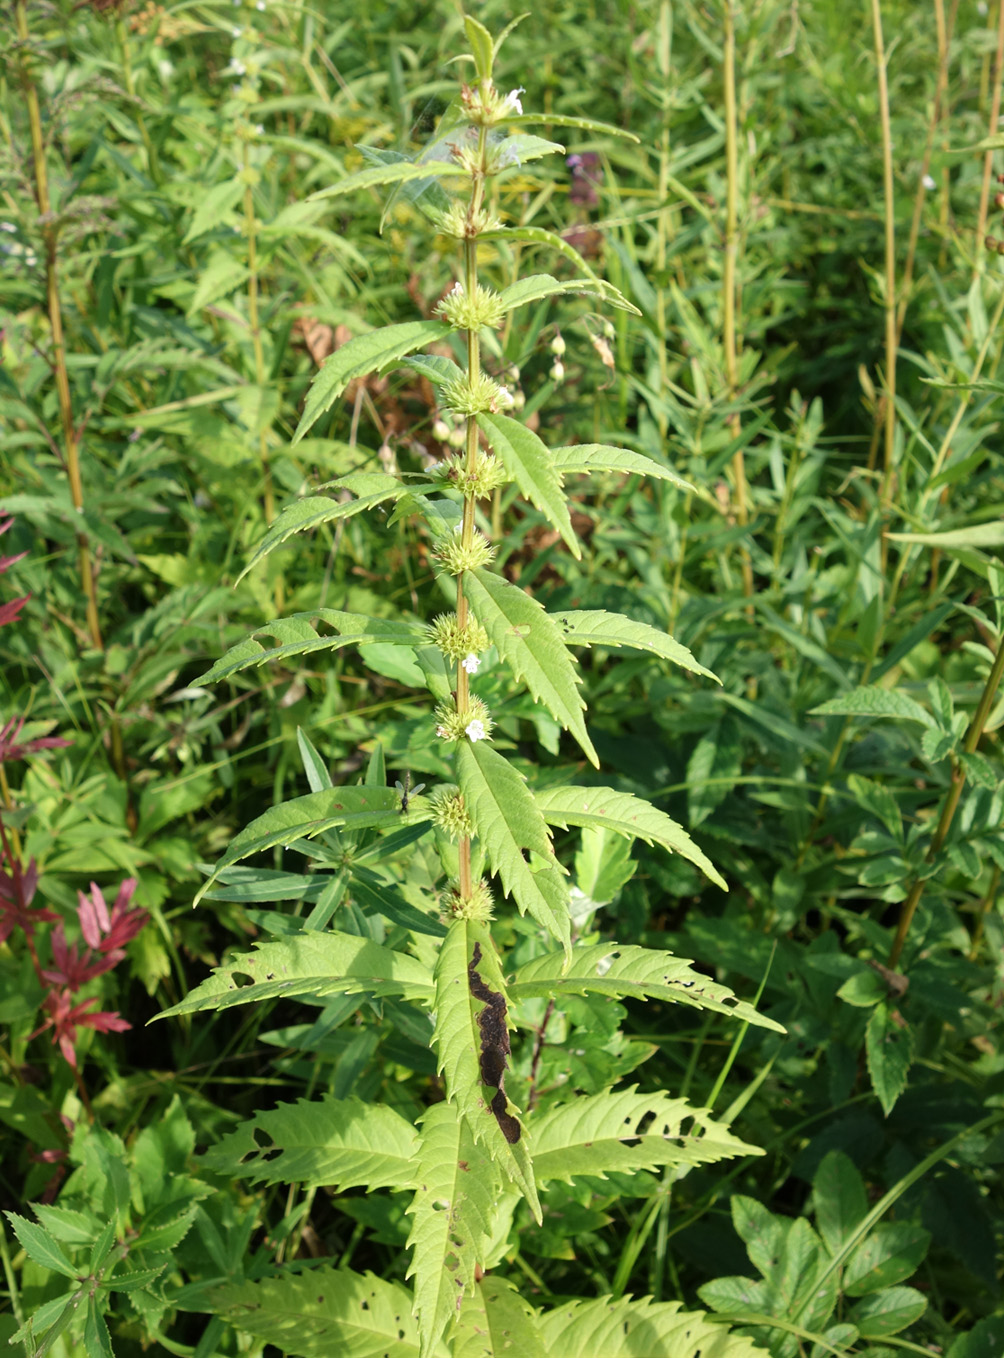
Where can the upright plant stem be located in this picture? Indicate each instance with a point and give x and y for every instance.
(951, 802)
(251, 231)
(729, 339)
(995, 108)
(465, 883)
(888, 405)
(71, 441)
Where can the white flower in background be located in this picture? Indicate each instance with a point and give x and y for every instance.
(236, 32)
(236, 68)
(475, 730)
(165, 69)
(259, 129)
(511, 100)
(8, 226)
(928, 182)
(471, 663)
(260, 6)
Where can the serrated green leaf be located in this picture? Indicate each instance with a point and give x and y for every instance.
(531, 644)
(507, 821)
(624, 1131)
(625, 814)
(361, 356)
(315, 964)
(453, 1214)
(890, 1254)
(344, 1143)
(97, 1340)
(357, 808)
(536, 235)
(298, 635)
(39, 1245)
(620, 970)
(482, 47)
(888, 1312)
(873, 701)
(533, 288)
(840, 1200)
(521, 147)
(569, 120)
(889, 1053)
(368, 488)
(624, 1328)
(325, 1311)
(378, 176)
(597, 627)
(66, 1224)
(213, 207)
(495, 1319)
(600, 457)
(456, 1038)
(528, 462)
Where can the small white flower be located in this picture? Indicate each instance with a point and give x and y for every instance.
(471, 663)
(442, 732)
(8, 226)
(512, 100)
(557, 371)
(505, 399)
(260, 5)
(456, 289)
(475, 730)
(165, 69)
(928, 182)
(235, 68)
(259, 129)
(236, 32)
(458, 528)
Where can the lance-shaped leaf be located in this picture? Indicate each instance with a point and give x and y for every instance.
(298, 635)
(630, 1329)
(596, 627)
(361, 356)
(625, 814)
(600, 457)
(507, 821)
(453, 1214)
(569, 120)
(357, 808)
(495, 1319)
(618, 970)
(342, 1143)
(326, 1311)
(531, 644)
(468, 1049)
(377, 176)
(538, 285)
(624, 1131)
(367, 488)
(871, 700)
(536, 235)
(528, 462)
(482, 47)
(316, 964)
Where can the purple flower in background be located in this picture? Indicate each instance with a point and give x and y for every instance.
(586, 174)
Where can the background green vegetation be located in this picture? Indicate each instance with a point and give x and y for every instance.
(195, 286)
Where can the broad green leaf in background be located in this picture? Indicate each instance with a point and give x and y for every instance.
(494, 1318)
(889, 1052)
(600, 457)
(623, 1328)
(298, 635)
(872, 701)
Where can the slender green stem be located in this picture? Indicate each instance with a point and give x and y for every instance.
(729, 338)
(992, 124)
(951, 802)
(251, 231)
(50, 237)
(888, 405)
